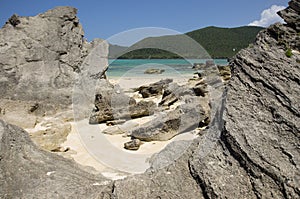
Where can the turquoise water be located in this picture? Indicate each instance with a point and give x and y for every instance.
(137, 67)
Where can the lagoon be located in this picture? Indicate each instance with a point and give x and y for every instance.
(137, 67)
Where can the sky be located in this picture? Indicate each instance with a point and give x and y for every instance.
(107, 18)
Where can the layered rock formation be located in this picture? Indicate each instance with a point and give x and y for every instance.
(251, 149)
(114, 104)
(41, 57)
(257, 155)
(28, 172)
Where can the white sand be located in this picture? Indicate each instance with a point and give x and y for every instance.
(106, 153)
(127, 83)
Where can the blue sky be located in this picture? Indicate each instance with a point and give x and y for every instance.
(104, 18)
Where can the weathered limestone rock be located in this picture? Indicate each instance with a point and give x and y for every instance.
(114, 104)
(154, 71)
(28, 172)
(258, 154)
(54, 132)
(184, 118)
(251, 149)
(173, 92)
(133, 144)
(154, 89)
(41, 56)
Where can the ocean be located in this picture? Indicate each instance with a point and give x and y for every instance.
(137, 67)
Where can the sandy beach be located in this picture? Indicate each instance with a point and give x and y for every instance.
(106, 153)
(129, 82)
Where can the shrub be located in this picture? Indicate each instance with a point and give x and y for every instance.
(288, 52)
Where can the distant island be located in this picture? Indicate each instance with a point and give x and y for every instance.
(218, 42)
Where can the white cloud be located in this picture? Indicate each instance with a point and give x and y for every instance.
(268, 17)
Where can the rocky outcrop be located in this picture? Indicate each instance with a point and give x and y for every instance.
(41, 56)
(28, 172)
(41, 59)
(257, 153)
(251, 149)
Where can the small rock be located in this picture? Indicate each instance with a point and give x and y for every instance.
(154, 71)
(154, 89)
(133, 144)
(14, 20)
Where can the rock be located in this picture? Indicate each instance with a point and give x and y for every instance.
(18, 113)
(291, 15)
(154, 89)
(256, 155)
(199, 74)
(200, 90)
(251, 149)
(41, 56)
(14, 20)
(225, 72)
(114, 105)
(198, 66)
(141, 109)
(184, 118)
(27, 172)
(133, 144)
(61, 149)
(54, 132)
(173, 92)
(154, 71)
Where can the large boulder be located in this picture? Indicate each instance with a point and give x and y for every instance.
(184, 118)
(27, 172)
(42, 55)
(115, 104)
(251, 148)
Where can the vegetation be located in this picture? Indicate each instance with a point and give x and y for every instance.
(218, 42)
(289, 53)
(149, 53)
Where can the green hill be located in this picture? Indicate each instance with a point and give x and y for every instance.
(218, 42)
(225, 42)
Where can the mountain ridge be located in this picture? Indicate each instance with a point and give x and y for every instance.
(219, 42)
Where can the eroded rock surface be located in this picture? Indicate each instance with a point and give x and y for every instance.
(40, 56)
(154, 89)
(28, 172)
(184, 118)
(41, 59)
(114, 104)
(251, 149)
